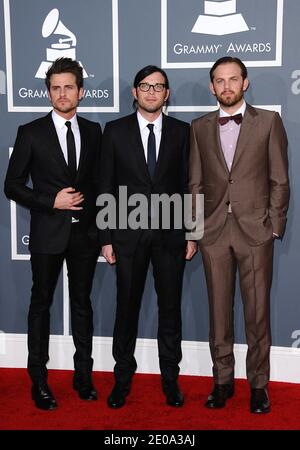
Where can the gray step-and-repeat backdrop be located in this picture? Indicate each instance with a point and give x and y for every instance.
(114, 39)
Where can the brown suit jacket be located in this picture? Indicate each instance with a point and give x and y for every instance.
(257, 186)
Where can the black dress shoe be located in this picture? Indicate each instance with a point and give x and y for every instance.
(43, 397)
(219, 395)
(259, 402)
(86, 390)
(118, 395)
(173, 394)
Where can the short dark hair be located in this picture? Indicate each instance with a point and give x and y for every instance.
(148, 70)
(227, 60)
(145, 72)
(65, 65)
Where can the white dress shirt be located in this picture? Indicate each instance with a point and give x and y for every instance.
(61, 130)
(144, 130)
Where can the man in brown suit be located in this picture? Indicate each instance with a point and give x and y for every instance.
(240, 165)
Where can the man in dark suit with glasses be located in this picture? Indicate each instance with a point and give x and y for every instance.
(147, 152)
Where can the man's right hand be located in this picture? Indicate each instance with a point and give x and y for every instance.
(108, 253)
(67, 198)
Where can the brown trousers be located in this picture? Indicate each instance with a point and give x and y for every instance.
(255, 265)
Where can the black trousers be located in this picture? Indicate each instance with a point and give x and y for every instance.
(81, 257)
(131, 276)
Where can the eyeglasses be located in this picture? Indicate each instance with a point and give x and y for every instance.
(145, 87)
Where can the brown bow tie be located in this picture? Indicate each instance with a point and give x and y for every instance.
(237, 118)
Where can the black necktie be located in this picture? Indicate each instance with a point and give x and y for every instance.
(225, 119)
(151, 150)
(71, 151)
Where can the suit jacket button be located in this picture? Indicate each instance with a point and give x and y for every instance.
(231, 181)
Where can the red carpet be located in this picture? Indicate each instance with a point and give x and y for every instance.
(145, 408)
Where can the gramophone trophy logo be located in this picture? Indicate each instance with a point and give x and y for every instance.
(88, 35)
(65, 47)
(220, 18)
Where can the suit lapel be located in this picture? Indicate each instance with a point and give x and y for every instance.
(213, 140)
(165, 137)
(137, 144)
(83, 146)
(246, 131)
(52, 143)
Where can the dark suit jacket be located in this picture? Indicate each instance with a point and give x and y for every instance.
(257, 186)
(123, 163)
(37, 153)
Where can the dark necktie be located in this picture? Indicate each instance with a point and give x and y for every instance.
(237, 118)
(151, 150)
(71, 151)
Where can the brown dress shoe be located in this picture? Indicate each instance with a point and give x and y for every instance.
(219, 395)
(259, 402)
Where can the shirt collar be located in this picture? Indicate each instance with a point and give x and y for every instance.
(241, 110)
(60, 121)
(143, 122)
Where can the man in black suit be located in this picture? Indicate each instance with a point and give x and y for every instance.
(146, 152)
(60, 152)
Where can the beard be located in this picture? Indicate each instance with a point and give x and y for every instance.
(64, 109)
(150, 108)
(66, 106)
(230, 100)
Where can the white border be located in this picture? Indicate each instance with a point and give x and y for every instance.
(15, 256)
(195, 65)
(196, 360)
(82, 109)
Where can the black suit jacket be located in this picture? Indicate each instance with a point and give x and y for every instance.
(37, 154)
(123, 163)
